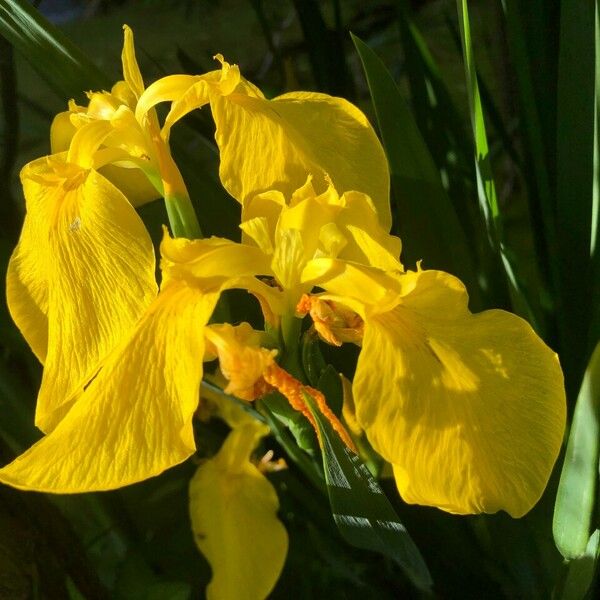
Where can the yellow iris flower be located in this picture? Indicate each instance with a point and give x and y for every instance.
(452, 403)
(116, 140)
(469, 409)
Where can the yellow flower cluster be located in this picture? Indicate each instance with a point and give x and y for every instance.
(468, 409)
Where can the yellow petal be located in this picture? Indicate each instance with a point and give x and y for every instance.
(134, 420)
(132, 182)
(289, 259)
(190, 92)
(233, 508)
(375, 254)
(27, 283)
(97, 268)
(167, 89)
(241, 358)
(131, 71)
(61, 132)
(360, 216)
(219, 264)
(360, 287)
(216, 259)
(275, 144)
(470, 409)
(257, 229)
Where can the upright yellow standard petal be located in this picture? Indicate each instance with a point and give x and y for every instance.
(309, 226)
(117, 108)
(233, 508)
(84, 268)
(134, 420)
(275, 144)
(131, 71)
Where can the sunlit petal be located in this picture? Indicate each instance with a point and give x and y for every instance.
(470, 409)
(93, 258)
(27, 283)
(131, 71)
(275, 144)
(233, 508)
(134, 420)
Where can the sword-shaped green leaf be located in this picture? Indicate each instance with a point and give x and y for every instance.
(486, 188)
(362, 513)
(576, 495)
(425, 218)
(577, 181)
(66, 69)
(581, 573)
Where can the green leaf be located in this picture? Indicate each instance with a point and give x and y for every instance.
(362, 513)
(594, 331)
(325, 50)
(59, 62)
(426, 220)
(577, 178)
(488, 199)
(532, 36)
(489, 105)
(486, 188)
(582, 571)
(576, 495)
(296, 422)
(313, 362)
(439, 121)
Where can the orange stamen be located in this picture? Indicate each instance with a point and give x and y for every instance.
(304, 305)
(330, 416)
(334, 323)
(292, 389)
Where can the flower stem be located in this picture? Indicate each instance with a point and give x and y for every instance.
(181, 213)
(291, 328)
(182, 217)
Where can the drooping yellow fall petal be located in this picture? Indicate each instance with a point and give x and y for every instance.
(233, 509)
(27, 283)
(85, 268)
(478, 411)
(469, 408)
(134, 420)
